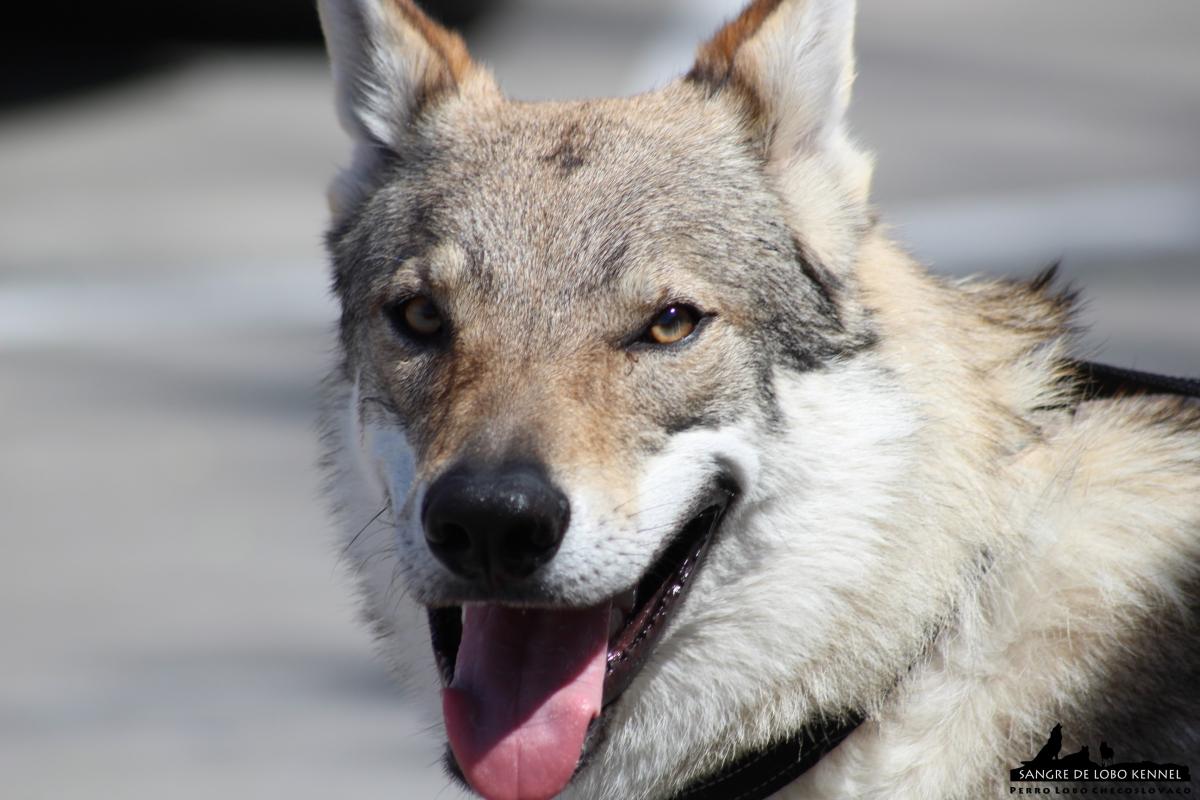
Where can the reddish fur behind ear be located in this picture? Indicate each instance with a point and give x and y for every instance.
(453, 62)
(714, 61)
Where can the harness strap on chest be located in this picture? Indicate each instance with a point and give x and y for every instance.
(760, 774)
(1104, 381)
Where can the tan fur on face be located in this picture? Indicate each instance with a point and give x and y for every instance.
(488, 409)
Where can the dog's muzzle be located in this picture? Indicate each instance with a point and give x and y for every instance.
(527, 687)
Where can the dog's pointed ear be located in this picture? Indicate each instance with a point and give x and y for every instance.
(793, 60)
(790, 64)
(389, 62)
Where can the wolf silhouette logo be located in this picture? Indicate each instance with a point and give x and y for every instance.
(1049, 767)
(1049, 751)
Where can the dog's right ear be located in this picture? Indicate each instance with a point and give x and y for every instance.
(390, 63)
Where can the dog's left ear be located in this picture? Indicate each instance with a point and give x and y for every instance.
(790, 64)
(794, 62)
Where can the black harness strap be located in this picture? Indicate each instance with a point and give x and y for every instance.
(760, 774)
(1103, 381)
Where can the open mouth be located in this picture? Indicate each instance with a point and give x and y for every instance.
(528, 689)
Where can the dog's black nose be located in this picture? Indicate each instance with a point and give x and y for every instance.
(494, 526)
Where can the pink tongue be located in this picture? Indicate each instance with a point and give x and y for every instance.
(526, 685)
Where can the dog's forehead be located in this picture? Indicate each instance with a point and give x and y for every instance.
(576, 196)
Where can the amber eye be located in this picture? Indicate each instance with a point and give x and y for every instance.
(416, 317)
(673, 324)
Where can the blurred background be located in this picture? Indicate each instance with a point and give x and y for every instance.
(175, 623)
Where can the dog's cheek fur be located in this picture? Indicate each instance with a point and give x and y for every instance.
(356, 453)
(812, 570)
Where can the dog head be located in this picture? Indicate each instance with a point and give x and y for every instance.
(608, 411)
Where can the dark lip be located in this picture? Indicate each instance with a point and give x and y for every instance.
(660, 591)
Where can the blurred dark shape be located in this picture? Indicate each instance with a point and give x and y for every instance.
(55, 50)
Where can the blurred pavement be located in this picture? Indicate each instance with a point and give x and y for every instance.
(175, 622)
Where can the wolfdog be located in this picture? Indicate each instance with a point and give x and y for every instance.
(670, 476)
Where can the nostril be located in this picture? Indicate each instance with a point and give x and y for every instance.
(449, 536)
(542, 537)
(521, 550)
